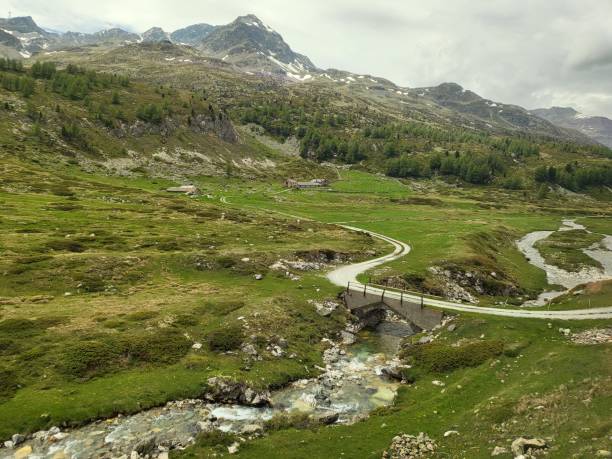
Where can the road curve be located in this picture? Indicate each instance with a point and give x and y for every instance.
(348, 273)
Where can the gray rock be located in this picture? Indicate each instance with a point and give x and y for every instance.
(8, 444)
(524, 445)
(251, 429)
(259, 276)
(146, 445)
(348, 338)
(425, 339)
(233, 448)
(327, 418)
(452, 327)
(18, 439)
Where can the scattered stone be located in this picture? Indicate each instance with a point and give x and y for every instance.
(425, 339)
(324, 308)
(205, 426)
(233, 448)
(251, 429)
(408, 446)
(594, 336)
(522, 446)
(452, 327)
(348, 338)
(565, 331)
(603, 453)
(259, 276)
(498, 450)
(249, 349)
(9, 444)
(435, 382)
(448, 433)
(197, 346)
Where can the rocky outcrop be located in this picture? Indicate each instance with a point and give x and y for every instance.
(410, 447)
(225, 390)
(219, 125)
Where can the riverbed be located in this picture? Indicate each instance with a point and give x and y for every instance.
(351, 385)
(556, 276)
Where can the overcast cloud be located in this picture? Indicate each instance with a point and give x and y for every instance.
(534, 53)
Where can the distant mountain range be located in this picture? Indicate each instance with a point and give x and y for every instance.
(598, 128)
(251, 46)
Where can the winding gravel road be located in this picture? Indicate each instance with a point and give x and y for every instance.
(348, 273)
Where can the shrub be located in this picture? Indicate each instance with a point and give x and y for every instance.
(226, 262)
(225, 339)
(164, 346)
(443, 358)
(65, 245)
(293, 420)
(8, 346)
(23, 327)
(85, 359)
(141, 315)
(220, 309)
(8, 382)
(215, 438)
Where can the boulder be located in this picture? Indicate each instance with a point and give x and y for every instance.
(18, 439)
(233, 448)
(522, 445)
(327, 418)
(146, 445)
(225, 390)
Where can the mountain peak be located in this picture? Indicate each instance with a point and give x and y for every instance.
(155, 34)
(21, 24)
(253, 21)
(249, 43)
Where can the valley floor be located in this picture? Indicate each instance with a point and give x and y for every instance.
(119, 299)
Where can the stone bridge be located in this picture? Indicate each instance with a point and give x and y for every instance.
(365, 301)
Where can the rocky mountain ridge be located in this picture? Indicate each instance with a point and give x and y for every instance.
(599, 128)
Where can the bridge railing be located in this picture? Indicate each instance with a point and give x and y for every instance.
(363, 288)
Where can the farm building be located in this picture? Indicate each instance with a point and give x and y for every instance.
(185, 189)
(314, 183)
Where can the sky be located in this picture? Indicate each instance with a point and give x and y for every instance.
(533, 53)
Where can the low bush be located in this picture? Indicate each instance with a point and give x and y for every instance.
(85, 359)
(293, 420)
(164, 346)
(92, 357)
(225, 339)
(65, 245)
(139, 316)
(443, 358)
(8, 382)
(215, 438)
